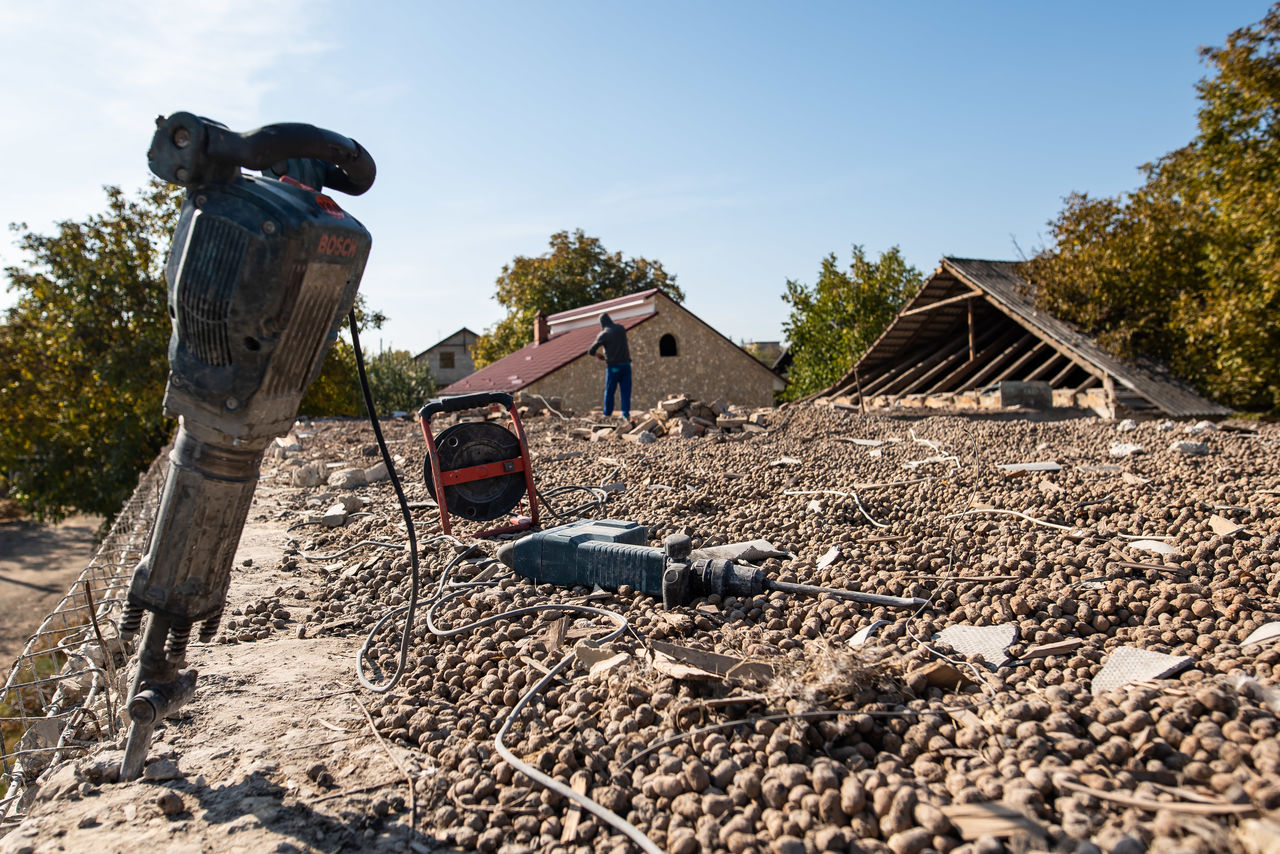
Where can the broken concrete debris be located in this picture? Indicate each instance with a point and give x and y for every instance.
(681, 417)
(752, 551)
(348, 478)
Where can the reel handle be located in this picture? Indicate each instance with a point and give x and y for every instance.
(458, 402)
(189, 150)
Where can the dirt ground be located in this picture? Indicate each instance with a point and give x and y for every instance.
(274, 753)
(37, 565)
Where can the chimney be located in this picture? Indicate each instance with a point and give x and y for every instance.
(541, 332)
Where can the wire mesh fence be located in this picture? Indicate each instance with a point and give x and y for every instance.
(64, 693)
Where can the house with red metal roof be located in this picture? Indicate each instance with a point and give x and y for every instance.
(672, 352)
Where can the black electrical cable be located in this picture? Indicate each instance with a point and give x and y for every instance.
(586, 508)
(412, 604)
(409, 608)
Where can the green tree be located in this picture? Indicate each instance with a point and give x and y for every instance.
(336, 390)
(833, 323)
(82, 356)
(577, 271)
(1186, 268)
(397, 382)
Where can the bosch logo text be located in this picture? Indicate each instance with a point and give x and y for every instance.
(336, 244)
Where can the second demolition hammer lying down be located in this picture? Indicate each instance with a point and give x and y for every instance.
(612, 553)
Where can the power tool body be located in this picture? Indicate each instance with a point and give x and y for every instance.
(261, 273)
(611, 553)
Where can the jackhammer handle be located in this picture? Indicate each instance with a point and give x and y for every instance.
(458, 402)
(353, 172)
(189, 150)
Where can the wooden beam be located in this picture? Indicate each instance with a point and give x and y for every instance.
(998, 341)
(993, 364)
(1009, 372)
(877, 385)
(973, 349)
(948, 301)
(957, 350)
(1062, 374)
(921, 325)
(1089, 383)
(914, 371)
(1045, 366)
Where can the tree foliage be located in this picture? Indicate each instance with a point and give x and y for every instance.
(577, 271)
(398, 383)
(1186, 268)
(833, 323)
(336, 391)
(82, 356)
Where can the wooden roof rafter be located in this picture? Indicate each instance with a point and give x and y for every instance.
(966, 292)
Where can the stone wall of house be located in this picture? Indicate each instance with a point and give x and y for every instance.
(450, 360)
(706, 367)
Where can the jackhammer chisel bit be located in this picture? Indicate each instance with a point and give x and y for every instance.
(611, 554)
(261, 274)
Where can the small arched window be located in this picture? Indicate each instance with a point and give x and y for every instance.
(667, 345)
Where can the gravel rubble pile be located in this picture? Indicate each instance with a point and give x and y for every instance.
(897, 742)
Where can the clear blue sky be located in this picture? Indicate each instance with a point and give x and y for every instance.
(736, 142)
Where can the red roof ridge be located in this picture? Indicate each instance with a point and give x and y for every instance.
(584, 310)
(532, 362)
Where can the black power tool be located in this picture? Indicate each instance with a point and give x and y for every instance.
(611, 553)
(261, 273)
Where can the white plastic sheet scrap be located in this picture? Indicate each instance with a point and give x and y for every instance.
(1130, 664)
(1156, 546)
(1190, 449)
(1263, 633)
(1222, 526)
(940, 458)
(1125, 449)
(1023, 468)
(785, 461)
(988, 641)
(832, 555)
(866, 632)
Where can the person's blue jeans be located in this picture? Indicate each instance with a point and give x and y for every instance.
(617, 377)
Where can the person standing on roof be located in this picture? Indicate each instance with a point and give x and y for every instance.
(617, 358)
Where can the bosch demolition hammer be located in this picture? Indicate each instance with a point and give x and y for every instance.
(261, 273)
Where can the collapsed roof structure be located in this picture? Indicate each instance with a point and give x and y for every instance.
(973, 327)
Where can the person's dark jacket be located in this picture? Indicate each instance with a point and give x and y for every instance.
(613, 338)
